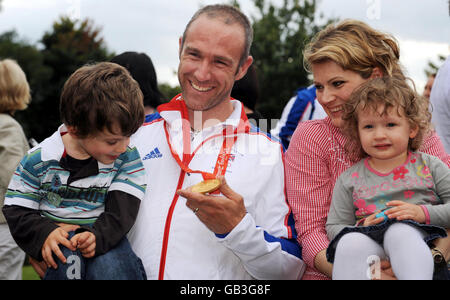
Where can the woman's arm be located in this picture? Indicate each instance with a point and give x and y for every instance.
(309, 187)
(432, 145)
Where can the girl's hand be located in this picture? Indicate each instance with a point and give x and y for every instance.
(372, 219)
(405, 211)
(85, 242)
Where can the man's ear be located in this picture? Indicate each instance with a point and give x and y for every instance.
(243, 68)
(180, 46)
(376, 73)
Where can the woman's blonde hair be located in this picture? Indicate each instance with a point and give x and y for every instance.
(390, 92)
(354, 46)
(14, 88)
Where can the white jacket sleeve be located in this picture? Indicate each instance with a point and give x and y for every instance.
(265, 239)
(264, 256)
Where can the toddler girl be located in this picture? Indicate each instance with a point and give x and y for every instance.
(395, 201)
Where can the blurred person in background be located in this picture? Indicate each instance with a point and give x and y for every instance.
(428, 86)
(142, 70)
(14, 95)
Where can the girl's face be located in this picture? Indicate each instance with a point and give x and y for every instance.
(334, 86)
(385, 137)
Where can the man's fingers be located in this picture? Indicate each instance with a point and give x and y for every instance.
(193, 200)
(228, 192)
(39, 267)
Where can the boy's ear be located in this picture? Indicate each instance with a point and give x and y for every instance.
(72, 131)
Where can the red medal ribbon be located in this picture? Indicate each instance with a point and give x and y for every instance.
(224, 154)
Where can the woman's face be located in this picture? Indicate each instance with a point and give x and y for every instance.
(334, 86)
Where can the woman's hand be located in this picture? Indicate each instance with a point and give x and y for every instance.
(322, 264)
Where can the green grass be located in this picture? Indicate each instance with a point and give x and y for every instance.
(28, 273)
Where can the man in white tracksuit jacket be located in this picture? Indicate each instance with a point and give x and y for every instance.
(244, 230)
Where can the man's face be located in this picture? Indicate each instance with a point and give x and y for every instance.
(209, 62)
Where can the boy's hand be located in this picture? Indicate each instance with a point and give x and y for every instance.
(85, 242)
(51, 245)
(405, 211)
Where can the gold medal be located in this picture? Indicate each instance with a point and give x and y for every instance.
(206, 186)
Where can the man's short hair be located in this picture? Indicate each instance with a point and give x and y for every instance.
(230, 15)
(102, 96)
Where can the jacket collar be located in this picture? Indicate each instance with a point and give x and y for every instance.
(52, 148)
(175, 111)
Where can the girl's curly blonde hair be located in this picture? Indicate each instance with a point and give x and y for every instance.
(390, 92)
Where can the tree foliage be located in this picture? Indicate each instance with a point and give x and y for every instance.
(280, 35)
(38, 74)
(433, 68)
(168, 91)
(66, 47)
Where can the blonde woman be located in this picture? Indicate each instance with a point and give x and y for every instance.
(341, 58)
(14, 95)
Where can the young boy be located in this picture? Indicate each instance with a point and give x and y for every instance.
(87, 175)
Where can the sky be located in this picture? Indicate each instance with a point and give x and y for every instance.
(422, 27)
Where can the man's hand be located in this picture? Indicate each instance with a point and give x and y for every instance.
(219, 213)
(39, 267)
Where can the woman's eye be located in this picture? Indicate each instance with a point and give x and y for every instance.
(391, 124)
(338, 83)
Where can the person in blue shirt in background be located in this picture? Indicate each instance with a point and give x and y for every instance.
(302, 107)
